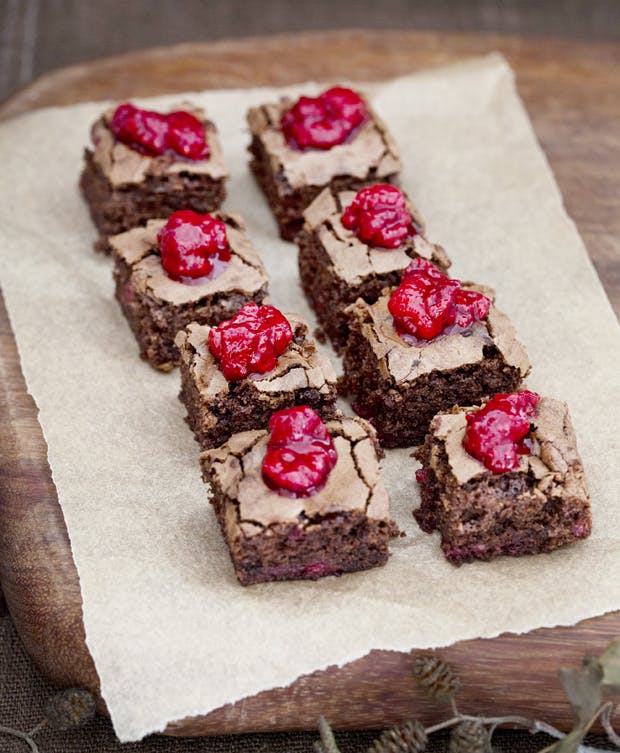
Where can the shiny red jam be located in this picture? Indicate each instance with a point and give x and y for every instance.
(379, 216)
(324, 121)
(193, 245)
(154, 133)
(251, 341)
(497, 433)
(300, 453)
(427, 303)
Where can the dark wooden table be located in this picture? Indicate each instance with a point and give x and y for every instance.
(37, 36)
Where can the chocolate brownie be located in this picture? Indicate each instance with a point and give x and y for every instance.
(124, 187)
(540, 505)
(344, 527)
(337, 268)
(291, 178)
(157, 306)
(218, 407)
(399, 386)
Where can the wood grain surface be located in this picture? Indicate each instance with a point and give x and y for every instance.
(572, 92)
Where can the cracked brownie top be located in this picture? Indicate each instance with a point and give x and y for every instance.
(124, 166)
(300, 366)
(371, 151)
(354, 484)
(352, 259)
(401, 362)
(138, 249)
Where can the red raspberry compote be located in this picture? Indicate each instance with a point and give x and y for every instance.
(497, 433)
(251, 341)
(300, 452)
(324, 121)
(193, 246)
(153, 133)
(428, 304)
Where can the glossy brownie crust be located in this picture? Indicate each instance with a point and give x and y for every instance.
(345, 527)
(399, 388)
(336, 268)
(124, 189)
(157, 307)
(480, 515)
(291, 179)
(217, 408)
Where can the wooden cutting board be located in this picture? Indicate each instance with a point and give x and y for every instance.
(572, 92)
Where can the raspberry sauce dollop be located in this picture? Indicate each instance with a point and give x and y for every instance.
(427, 302)
(251, 341)
(497, 433)
(300, 452)
(154, 133)
(379, 216)
(324, 121)
(193, 245)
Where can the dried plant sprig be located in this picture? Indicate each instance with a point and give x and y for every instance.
(470, 736)
(410, 737)
(436, 677)
(66, 709)
(328, 741)
(25, 736)
(70, 708)
(613, 736)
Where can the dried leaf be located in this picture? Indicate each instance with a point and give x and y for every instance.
(609, 661)
(583, 688)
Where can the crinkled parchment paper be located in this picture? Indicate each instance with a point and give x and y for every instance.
(171, 632)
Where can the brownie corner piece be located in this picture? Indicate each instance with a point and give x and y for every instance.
(157, 306)
(291, 178)
(218, 407)
(336, 267)
(399, 387)
(540, 506)
(344, 527)
(124, 188)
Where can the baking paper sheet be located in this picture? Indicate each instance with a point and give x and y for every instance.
(171, 632)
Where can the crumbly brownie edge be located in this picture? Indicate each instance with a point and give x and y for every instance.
(114, 210)
(288, 204)
(402, 414)
(155, 325)
(332, 545)
(467, 534)
(243, 408)
(327, 293)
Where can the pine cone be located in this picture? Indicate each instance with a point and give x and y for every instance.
(410, 738)
(436, 677)
(470, 737)
(70, 708)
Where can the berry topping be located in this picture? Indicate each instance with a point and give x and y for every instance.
(324, 121)
(379, 216)
(497, 433)
(251, 341)
(427, 302)
(300, 453)
(154, 134)
(193, 245)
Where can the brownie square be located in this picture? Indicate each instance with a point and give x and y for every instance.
(399, 387)
(344, 527)
(291, 178)
(157, 306)
(218, 408)
(538, 507)
(124, 188)
(337, 268)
